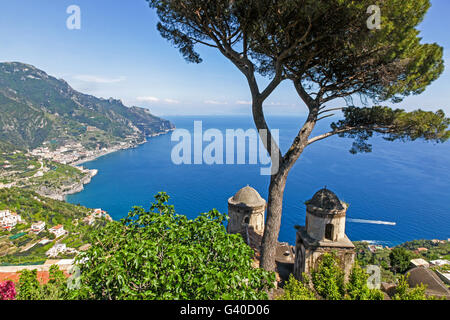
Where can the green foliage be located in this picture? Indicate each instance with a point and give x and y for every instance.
(436, 250)
(33, 208)
(361, 124)
(56, 288)
(297, 290)
(400, 259)
(162, 255)
(357, 288)
(29, 287)
(328, 283)
(328, 278)
(380, 258)
(330, 60)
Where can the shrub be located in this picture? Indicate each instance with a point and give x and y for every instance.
(328, 279)
(162, 255)
(29, 287)
(297, 290)
(400, 259)
(357, 288)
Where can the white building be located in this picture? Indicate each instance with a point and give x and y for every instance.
(58, 230)
(439, 262)
(38, 227)
(98, 213)
(44, 241)
(4, 213)
(89, 220)
(420, 263)
(56, 250)
(9, 220)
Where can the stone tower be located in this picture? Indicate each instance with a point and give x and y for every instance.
(324, 232)
(246, 211)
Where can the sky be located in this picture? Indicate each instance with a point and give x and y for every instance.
(119, 53)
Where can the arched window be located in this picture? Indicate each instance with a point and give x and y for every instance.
(247, 220)
(329, 230)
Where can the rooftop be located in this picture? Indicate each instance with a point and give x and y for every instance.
(435, 286)
(326, 199)
(248, 197)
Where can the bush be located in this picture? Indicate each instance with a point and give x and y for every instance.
(357, 288)
(30, 289)
(400, 259)
(297, 290)
(328, 279)
(162, 255)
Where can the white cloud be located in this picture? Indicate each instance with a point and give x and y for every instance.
(171, 101)
(243, 102)
(215, 102)
(150, 99)
(97, 79)
(147, 99)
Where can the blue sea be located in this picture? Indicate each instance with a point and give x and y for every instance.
(406, 184)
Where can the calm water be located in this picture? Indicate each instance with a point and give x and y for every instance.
(405, 183)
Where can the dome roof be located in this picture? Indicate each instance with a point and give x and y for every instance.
(247, 196)
(326, 199)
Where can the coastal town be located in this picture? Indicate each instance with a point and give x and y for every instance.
(54, 171)
(75, 153)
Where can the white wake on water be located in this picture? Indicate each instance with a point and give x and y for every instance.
(372, 222)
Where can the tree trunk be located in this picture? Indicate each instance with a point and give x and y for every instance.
(277, 180)
(276, 192)
(273, 222)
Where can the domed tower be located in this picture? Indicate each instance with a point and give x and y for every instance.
(246, 210)
(324, 232)
(325, 216)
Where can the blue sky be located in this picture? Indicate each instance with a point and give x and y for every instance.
(118, 53)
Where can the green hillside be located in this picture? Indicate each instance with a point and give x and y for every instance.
(36, 107)
(20, 246)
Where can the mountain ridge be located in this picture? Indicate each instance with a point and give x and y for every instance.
(36, 108)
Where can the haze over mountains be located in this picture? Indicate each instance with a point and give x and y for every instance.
(36, 108)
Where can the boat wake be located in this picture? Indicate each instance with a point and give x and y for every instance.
(372, 222)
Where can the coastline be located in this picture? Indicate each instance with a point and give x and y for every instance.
(106, 152)
(79, 187)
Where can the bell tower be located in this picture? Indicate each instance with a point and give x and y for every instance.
(246, 210)
(324, 232)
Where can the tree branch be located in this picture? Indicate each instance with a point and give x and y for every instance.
(347, 129)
